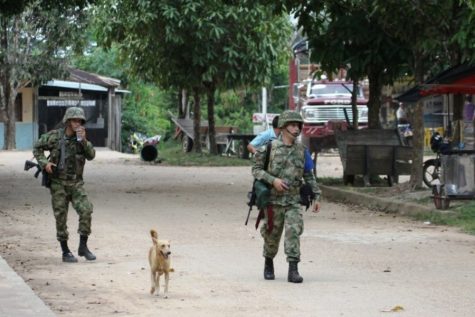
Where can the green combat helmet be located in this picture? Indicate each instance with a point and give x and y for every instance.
(290, 116)
(74, 113)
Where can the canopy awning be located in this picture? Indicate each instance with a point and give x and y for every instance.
(462, 86)
(457, 80)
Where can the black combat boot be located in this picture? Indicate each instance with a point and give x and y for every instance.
(67, 255)
(84, 251)
(294, 276)
(269, 269)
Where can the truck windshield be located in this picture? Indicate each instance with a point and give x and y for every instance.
(322, 90)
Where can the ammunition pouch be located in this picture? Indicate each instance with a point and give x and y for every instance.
(262, 191)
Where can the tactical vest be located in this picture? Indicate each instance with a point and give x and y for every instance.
(287, 163)
(68, 155)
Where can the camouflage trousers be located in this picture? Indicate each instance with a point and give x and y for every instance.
(290, 218)
(63, 192)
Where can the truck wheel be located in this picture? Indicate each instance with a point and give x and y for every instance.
(186, 143)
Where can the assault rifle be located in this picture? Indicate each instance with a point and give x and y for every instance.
(252, 201)
(45, 181)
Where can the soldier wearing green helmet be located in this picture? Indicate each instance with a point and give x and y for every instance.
(74, 113)
(69, 149)
(288, 117)
(289, 166)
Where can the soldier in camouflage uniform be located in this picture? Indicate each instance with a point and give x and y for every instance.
(65, 167)
(289, 165)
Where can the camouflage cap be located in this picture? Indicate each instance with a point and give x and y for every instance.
(289, 116)
(74, 113)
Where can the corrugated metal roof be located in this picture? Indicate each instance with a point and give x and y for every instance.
(74, 85)
(91, 78)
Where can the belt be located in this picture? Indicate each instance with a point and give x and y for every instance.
(68, 177)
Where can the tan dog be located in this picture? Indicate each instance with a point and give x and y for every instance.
(160, 262)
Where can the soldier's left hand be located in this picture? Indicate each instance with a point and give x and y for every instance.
(316, 207)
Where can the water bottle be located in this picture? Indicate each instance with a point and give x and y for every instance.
(78, 137)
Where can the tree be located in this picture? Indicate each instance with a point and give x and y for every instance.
(344, 34)
(437, 33)
(380, 38)
(145, 108)
(200, 46)
(35, 38)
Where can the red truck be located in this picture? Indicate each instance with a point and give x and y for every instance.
(325, 104)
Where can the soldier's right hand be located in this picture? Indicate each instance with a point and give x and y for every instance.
(280, 185)
(49, 167)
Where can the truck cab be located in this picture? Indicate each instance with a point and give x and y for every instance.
(325, 105)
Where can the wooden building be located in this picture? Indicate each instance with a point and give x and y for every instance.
(42, 109)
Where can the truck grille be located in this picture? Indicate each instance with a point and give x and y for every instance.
(324, 113)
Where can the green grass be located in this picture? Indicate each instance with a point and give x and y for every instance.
(462, 216)
(330, 181)
(171, 153)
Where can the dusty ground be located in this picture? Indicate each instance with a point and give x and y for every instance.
(354, 262)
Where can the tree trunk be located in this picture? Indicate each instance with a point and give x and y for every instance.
(7, 109)
(354, 105)
(197, 121)
(182, 104)
(417, 124)
(374, 102)
(213, 149)
(7, 93)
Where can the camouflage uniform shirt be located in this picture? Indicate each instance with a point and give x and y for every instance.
(287, 163)
(75, 154)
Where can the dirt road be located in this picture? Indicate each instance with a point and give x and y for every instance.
(355, 262)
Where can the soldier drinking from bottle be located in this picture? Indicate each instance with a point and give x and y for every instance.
(288, 167)
(69, 149)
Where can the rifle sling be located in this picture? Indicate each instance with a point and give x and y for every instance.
(266, 162)
(62, 146)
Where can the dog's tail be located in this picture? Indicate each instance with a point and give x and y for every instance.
(154, 234)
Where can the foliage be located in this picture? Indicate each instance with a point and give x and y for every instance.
(103, 62)
(145, 109)
(344, 34)
(145, 112)
(201, 46)
(432, 32)
(186, 43)
(35, 36)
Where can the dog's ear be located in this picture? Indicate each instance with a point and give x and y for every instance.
(154, 235)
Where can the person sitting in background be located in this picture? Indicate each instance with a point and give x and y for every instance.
(468, 110)
(265, 136)
(401, 114)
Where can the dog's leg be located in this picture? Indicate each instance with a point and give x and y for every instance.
(167, 277)
(158, 282)
(152, 289)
